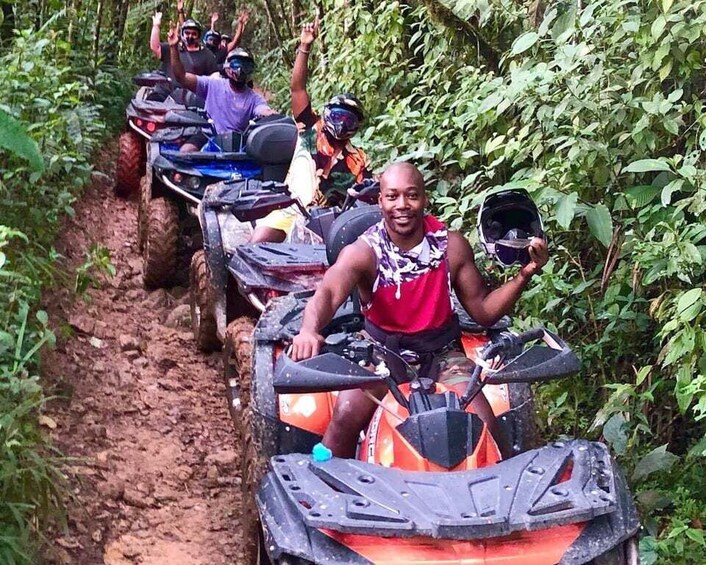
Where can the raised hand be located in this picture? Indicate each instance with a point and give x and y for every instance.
(309, 32)
(173, 36)
(157, 19)
(214, 18)
(243, 17)
(180, 5)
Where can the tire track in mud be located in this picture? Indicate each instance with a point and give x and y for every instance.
(142, 414)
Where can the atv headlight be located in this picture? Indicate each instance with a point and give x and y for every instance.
(188, 182)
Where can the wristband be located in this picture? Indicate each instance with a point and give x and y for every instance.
(300, 50)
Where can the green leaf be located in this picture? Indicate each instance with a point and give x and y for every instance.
(669, 189)
(658, 27)
(524, 42)
(14, 138)
(566, 209)
(614, 431)
(43, 317)
(696, 535)
(665, 70)
(659, 459)
(647, 165)
(666, 5)
(688, 302)
(641, 195)
(600, 223)
(642, 374)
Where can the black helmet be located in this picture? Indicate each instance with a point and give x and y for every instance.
(239, 65)
(507, 221)
(212, 39)
(191, 24)
(343, 115)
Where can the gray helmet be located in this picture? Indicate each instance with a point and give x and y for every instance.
(239, 65)
(191, 24)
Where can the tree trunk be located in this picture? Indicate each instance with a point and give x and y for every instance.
(8, 22)
(278, 38)
(97, 34)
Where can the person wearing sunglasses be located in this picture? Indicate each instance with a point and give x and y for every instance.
(405, 269)
(230, 102)
(338, 163)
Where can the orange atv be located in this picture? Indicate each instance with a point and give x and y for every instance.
(446, 471)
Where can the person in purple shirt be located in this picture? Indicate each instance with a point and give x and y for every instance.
(230, 102)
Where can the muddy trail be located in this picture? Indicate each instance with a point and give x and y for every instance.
(140, 414)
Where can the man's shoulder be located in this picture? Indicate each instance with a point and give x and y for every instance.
(358, 256)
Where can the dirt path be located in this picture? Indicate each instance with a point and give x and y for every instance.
(144, 417)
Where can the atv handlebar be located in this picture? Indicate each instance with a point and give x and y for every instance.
(538, 363)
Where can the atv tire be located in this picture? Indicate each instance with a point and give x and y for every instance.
(203, 316)
(237, 370)
(130, 165)
(250, 549)
(143, 206)
(159, 253)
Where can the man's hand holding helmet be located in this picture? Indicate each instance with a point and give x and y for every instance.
(539, 255)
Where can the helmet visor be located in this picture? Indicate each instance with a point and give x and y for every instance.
(511, 251)
(341, 122)
(239, 69)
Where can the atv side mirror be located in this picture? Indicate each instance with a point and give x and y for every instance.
(324, 373)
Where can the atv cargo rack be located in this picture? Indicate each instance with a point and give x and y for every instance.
(561, 483)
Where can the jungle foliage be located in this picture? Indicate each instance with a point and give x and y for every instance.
(52, 117)
(595, 107)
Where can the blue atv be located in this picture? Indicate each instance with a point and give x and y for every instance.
(175, 182)
(144, 117)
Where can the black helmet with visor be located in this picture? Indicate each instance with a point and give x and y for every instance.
(507, 222)
(343, 116)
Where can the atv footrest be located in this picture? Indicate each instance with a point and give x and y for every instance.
(562, 483)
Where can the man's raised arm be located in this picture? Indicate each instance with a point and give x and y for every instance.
(187, 80)
(154, 35)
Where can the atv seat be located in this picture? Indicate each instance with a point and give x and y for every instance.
(469, 325)
(348, 227)
(284, 258)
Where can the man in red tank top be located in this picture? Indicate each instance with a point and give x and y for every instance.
(404, 269)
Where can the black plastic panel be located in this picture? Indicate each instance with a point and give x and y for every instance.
(522, 493)
(285, 257)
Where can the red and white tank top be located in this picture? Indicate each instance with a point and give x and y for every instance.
(412, 289)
